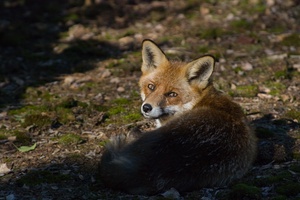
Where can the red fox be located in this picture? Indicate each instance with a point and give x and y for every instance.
(202, 138)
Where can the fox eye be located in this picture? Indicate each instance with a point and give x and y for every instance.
(172, 94)
(151, 87)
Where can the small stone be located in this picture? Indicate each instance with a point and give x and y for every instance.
(264, 89)
(10, 197)
(4, 169)
(233, 86)
(106, 74)
(247, 66)
(126, 42)
(284, 97)
(264, 96)
(121, 89)
(69, 80)
(171, 194)
(297, 67)
(115, 80)
(54, 187)
(278, 57)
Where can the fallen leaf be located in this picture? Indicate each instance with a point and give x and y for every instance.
(26, 148)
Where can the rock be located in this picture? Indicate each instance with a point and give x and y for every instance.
(278, 57)
(115, 80)
(171, 194)
(4, 169)
(284, 97)
(233, 86)
(106, 73)
(247, 66)
(297, 66)
(10, 197)
(264, 96)
(69, 80)
(126, 42)
(120, 89)
(264, 89)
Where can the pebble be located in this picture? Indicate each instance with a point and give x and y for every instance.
(171, 194)
(264, 96)
(69, 80)
(115, 80)
(247, 66)
(297, 67)
(120, 89)
(284, 97)
(106, 73)
(10, 197)
(126, 42)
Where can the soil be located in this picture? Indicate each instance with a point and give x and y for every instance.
(69, 74)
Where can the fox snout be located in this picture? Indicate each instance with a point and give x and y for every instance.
(146, 108)
(151, 112)
(158, 112)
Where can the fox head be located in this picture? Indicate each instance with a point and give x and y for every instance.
(170, 88)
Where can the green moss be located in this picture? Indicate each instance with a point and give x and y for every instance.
(276, 87)
(69, 102)
(133, 117)
(70, 139)
(116, 110)
(39, 177)
(100, 108)
(71, 17)
(281, 74)
(241, 191)
(241, 24)
(29, 110)
(291, 40)
(203, 49)
(262, 132)
(2, 136)
(293, 114)
(121, 101)
(129, 32)
(289, 189)
(65, 115)
(37, 120)
(211, 33)
(118, 106)
(157, 15)
(22, 137)
(103, 143)
(245, 91)
(63, 35)
(237, 70)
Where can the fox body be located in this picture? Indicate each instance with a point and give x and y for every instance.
(202, 138)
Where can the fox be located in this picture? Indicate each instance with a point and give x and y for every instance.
(202, 138)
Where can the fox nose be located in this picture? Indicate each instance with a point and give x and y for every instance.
(147, 108)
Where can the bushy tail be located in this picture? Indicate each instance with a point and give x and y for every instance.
(117, 166)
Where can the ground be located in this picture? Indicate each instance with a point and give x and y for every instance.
(69, 75)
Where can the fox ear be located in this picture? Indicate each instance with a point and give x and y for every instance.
(200, 70)
(152, 55)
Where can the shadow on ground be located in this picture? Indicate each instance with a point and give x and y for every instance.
(32, 50)
(274, 142)
(76, 175)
